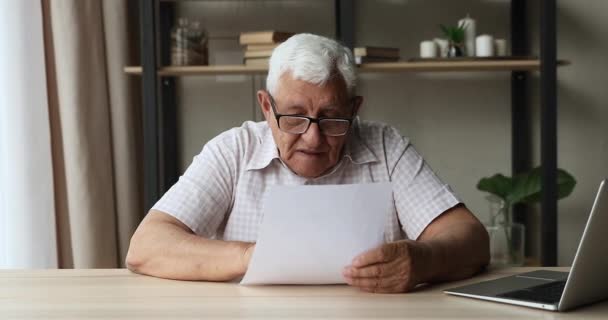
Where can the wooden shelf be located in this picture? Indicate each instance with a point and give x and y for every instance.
(384, 67)
(201, 70)
(455, 66)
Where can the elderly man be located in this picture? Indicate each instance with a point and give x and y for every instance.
(205, 227)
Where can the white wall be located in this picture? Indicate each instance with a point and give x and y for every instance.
(460, 122)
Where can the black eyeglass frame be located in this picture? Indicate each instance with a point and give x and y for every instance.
(311, 120)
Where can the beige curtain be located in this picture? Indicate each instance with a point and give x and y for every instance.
(95, 130)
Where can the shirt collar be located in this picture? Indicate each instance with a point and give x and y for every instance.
(266, 152)
(355, 150)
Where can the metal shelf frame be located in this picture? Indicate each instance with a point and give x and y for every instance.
(159, 104)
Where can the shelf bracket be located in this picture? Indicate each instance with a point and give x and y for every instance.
(149, 62)
(521, 149)
(345, 22)
(548, 132)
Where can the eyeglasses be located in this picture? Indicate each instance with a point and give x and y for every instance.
(296, 124)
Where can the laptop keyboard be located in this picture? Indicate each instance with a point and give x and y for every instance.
(545, 293)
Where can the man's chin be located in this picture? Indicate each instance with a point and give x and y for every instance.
(301, 164)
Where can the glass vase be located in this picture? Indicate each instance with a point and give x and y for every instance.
(455, 50)
(507, 238)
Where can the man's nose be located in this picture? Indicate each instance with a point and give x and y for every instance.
(313, 135)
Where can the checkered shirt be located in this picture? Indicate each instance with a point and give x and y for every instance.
(220, 194)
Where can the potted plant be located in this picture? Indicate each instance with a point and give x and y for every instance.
(506, 237)
(455, 36)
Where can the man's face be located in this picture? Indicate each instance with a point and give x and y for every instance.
(311, 153)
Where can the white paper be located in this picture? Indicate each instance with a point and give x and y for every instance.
(310, 233)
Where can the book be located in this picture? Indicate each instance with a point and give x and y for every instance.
(360, 60)
(261, 47)
(378, 52)
(257, 62)
(258, 54)
(263, 37)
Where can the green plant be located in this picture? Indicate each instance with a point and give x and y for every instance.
(524, 187)
(455, 34)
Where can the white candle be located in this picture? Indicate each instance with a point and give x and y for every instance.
(443, 46)
(428, 49)
(500, 47)
(469, 35)
(484, 46)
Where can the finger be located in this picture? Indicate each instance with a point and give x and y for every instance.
(393, 289)
(380, 254)
(371, 283)
(373, 271)
(383, 285)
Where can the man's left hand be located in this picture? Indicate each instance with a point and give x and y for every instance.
(391, 268)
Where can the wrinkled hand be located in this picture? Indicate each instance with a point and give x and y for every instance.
(391, 268)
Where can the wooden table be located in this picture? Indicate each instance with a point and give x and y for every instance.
(120, 294)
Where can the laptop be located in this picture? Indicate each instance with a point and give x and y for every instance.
(587, 281)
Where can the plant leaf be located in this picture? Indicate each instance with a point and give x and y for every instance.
(454, 33)
(497, 184)
(458, 35)
(527, 187)
(464, 26)
(565, 185)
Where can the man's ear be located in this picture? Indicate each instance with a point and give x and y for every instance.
(264, 102)
(357, 104)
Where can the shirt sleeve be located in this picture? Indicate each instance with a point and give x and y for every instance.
(420, 196)
(203, 195)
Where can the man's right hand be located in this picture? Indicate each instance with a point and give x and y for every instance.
(164, 247)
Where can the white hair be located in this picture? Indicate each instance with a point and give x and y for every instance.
(311, 58)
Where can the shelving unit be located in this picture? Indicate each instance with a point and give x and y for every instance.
(431, 66)
(159, 118)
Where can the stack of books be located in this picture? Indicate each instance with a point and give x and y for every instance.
(375, 54)
(260, 44)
